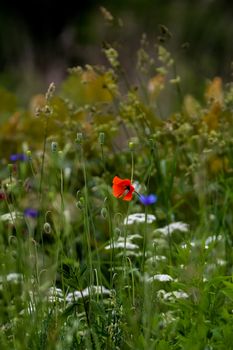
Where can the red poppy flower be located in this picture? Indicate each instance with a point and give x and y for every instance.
(122, 188)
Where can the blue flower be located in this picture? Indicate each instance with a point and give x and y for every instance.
(18, 156)
(148, 200)
(31, 213)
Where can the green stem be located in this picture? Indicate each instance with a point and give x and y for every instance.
(43, 158)
(144, 242)
(132, 166)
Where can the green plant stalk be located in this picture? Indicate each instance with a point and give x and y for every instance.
(86, 218)
(144, 247)
(43, 158)
(133, 282)
(132, 166)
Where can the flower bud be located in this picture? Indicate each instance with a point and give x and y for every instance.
(47, 228)
(10, 167)
(29, 155)
(104, 213)
(101, 138)
(131, 146)
(79, 138)
(80, 203)
(49, 94)
(54, 147)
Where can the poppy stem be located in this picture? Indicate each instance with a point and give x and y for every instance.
(132, 166)
(138, 194)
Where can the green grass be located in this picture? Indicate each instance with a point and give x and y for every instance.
(87, 272)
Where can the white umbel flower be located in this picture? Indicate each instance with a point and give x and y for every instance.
(139, 218)
(174, 226)
(160, 278)
(74, 296)
(11, 217)
(122, 245)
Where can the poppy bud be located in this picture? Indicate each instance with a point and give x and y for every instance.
(101, 138)
(104, 213)
(79, 138)
(131, 146)
(47, 228)
(80, 203)
(54, 147)
(29, 155)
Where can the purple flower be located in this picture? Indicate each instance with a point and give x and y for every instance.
(31, 213)
(148, 200)
(18, 156)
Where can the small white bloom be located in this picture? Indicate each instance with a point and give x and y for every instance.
(129, 253)
(212, 239)
(122, 245)
(12, 277)
(221, 262)
(185, 245)
(55, 299)
(139, 218)
(67, 173)
(53, 291)
(157, 258)
(174, 226)
(160, 278)
(167, 318)
(135, 236)
(177, 294)
(11, 217)
(73, 296)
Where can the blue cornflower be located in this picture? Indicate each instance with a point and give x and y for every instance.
(148, 200)
(31, 212)
(18, 156)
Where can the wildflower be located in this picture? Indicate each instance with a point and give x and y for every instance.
(11, 217)
(148, 200)
(13, 277)
(139, 218)
(99, 290)
(18, 156)
(127, 245)
(31, 212)
(174, 226)
(212, 239)
(160, 278)
(122, 188)
(177, 294)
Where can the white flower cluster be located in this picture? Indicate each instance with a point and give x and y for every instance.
(56, 294)
(11, 217)
(174, 226)
(139, 218)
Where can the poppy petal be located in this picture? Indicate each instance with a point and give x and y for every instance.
(128, 197)
(117, 191)
(116, 180)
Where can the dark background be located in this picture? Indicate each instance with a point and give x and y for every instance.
(39, 40)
